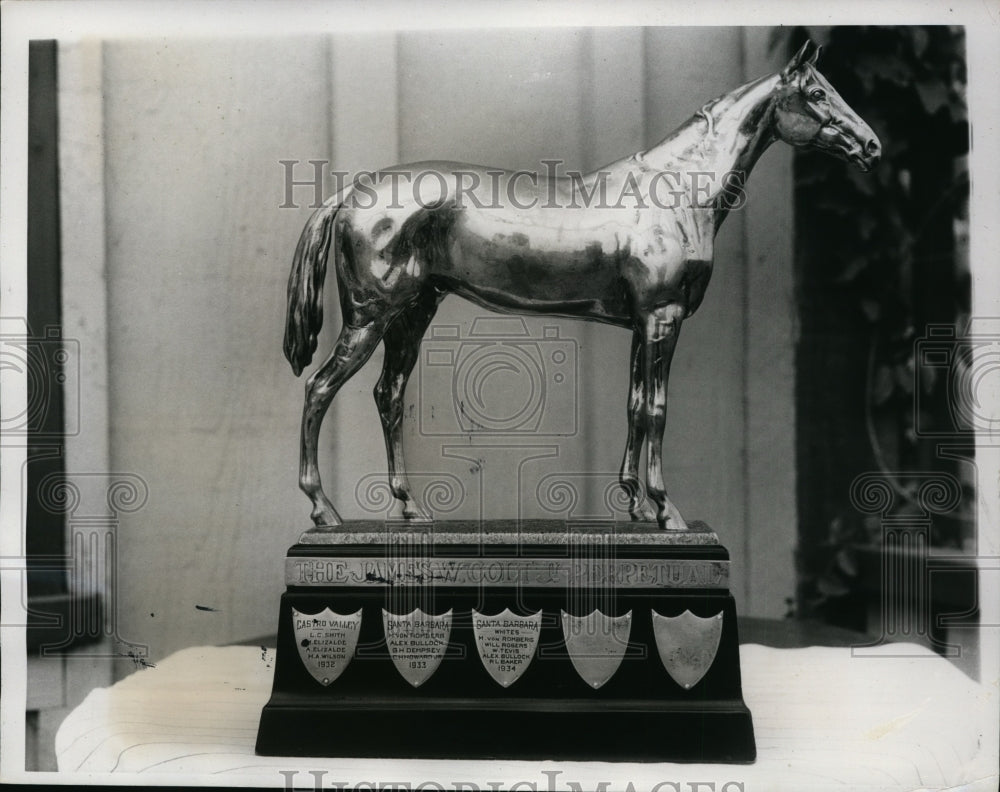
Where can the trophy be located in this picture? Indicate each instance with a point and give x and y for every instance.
(533, 639)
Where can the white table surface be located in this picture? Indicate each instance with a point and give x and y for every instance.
(823, 719)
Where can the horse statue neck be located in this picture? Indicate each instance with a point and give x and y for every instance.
(726, 136)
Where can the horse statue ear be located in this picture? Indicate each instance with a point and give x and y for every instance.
(815, 56)
(797, 60)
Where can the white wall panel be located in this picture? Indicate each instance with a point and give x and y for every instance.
(202, 403)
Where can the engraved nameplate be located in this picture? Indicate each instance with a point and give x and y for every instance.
(417, 643)
(506, 643)
(326, 642)
(541, 572)
(596, 644)
(687, 645)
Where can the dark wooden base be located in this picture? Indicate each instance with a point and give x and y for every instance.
(569, 729)
(550, 712)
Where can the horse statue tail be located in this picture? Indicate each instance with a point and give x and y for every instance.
(304, 319)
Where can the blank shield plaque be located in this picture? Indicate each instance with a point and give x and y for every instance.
(687, 645)
(506, 643)
(596, 644)
(326, 642)
(417, 643)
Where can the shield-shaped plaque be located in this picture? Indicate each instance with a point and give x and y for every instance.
(687, 645)
(326, 642)
(596, 644)
(506, 643)
(417, 642)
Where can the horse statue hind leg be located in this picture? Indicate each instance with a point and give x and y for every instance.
(402, 344)
(399, 323)
(353, 348)
(638, 507)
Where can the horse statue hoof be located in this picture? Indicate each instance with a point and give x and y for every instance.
(643, 513)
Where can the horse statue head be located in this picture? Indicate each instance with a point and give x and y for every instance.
(808, 112)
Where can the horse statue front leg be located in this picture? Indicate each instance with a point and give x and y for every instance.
(661, 327)
(638, 507)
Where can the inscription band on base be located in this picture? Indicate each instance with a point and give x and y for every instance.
(533, 572)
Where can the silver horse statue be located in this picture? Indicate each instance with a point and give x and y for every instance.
(528, 245)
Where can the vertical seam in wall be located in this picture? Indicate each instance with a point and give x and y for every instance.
(586, 401)
(328, 90)
(105, 276)
(108, 584)
(745, 374)
(586, 121)
(330, 149)
(64, 680)
(106, 264)
(644, 110)
(397, 88)
(643, 98)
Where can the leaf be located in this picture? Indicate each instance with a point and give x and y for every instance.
(862, 181)
(872, 309)
(933, 95)
(887, 66)
(867, 79)
(812, 172)
(867, 224)
(847, 562)
(883, 386)
(904, 378)
(835, 206)
(893, 148)
(854, 268)
(831, 588)
(928, 378)
(905, 180)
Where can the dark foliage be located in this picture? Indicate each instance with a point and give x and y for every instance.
(879, 258)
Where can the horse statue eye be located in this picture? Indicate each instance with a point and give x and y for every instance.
(817, 94)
